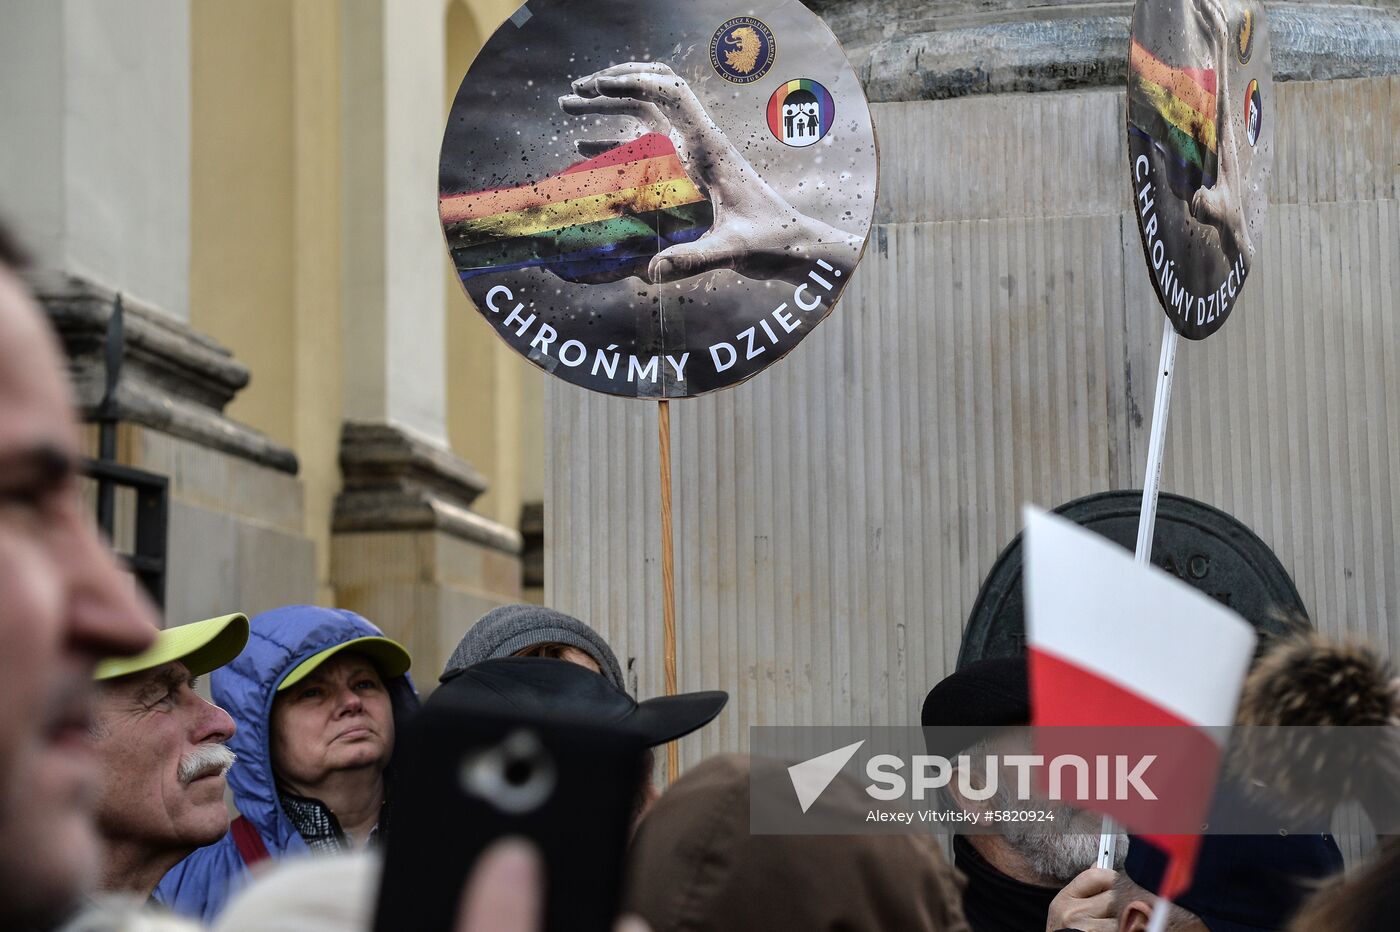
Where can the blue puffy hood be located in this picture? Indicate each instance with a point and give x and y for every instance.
(202, 883)
(277, 641)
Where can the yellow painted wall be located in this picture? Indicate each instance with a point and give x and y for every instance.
(265, 224)
(241, 203)
(266, 245)
(503, 439)
(319, 402)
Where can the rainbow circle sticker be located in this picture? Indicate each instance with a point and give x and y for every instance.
(800, 112)
(1253, 112)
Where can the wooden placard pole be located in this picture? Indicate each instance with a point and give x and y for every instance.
(1147, 515)
(668, 578)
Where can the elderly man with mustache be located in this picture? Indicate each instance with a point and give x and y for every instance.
(162, 751)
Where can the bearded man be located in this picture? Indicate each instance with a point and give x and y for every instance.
(1021, 876)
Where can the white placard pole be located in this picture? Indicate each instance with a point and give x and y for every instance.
(1147, 517)
(1147, 523)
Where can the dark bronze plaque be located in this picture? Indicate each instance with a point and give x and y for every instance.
(1194, 542)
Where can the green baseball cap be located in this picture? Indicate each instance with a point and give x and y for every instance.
(202, 646)
(388, 657)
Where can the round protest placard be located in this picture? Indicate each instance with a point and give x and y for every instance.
(657, 200)
(1200, 142)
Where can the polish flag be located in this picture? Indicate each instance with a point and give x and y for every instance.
(1114, 643)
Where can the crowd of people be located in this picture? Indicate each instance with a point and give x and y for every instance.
(118, 777)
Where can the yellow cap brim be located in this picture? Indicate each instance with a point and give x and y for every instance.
(388, 657)
(201, 645)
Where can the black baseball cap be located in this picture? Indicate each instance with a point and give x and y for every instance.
(977, 701)
(545, 688)
(988, 694)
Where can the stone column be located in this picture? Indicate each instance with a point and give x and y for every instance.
(95, 170)
(95, 98)
(408, 551)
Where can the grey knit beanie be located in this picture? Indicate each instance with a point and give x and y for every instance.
(505, 631)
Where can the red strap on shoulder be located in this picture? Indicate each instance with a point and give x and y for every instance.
(250, 844)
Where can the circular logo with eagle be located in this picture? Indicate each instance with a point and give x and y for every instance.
(742, 50)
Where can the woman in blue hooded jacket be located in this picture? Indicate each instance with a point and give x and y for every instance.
(316, 695)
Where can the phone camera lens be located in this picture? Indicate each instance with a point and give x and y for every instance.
(518, 773)
(515, 776)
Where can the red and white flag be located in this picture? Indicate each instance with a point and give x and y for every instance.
(1114, 643)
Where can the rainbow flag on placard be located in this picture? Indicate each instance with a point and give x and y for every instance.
(1175, 109)
(598, 220)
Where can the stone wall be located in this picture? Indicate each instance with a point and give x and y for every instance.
(920, 50)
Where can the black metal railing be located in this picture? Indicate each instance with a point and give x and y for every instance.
(146, 559)
(151, 519)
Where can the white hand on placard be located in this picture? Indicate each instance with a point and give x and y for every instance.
(1222, 206)
(756, 231)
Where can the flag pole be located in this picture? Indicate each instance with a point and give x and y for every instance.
(668, 578)
(1158, 922)
(1147, 515)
